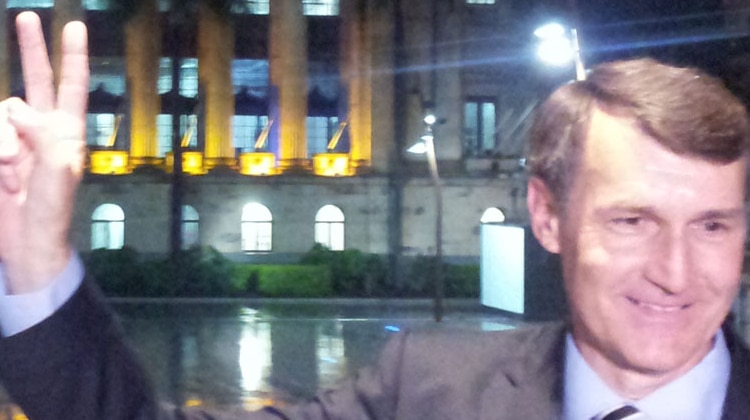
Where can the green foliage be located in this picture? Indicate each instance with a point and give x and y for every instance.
(458, 280)
(308, 281)
(353, 272)
(196, 272)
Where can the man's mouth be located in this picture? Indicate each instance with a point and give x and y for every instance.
(658, 307)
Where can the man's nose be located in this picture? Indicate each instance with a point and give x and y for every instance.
(668, 261)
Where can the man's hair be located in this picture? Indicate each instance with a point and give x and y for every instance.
(685, 110)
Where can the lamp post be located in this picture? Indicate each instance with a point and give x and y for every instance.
(558, 48)
(427, 146)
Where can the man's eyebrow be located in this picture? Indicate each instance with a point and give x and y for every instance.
(723, 214)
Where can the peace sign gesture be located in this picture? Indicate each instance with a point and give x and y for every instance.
(42, 150)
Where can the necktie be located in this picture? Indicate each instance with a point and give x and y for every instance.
(625, 412)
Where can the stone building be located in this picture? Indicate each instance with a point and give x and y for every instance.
(295, 117)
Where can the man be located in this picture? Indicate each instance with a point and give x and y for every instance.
(637, 179)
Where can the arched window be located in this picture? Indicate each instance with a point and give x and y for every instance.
(329, 227)
(108, 227)
(256, 228)
(493, 215)
(190, 226)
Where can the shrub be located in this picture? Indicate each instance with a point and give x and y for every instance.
(353, 273)
(283, 280)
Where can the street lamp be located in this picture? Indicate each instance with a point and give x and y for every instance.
(427, 146)
(558, 48)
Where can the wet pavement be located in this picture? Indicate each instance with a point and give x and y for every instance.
(242, 355)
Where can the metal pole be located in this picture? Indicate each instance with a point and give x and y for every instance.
(580, 68)
(437, 266)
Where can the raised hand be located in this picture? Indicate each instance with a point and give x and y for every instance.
(42, 150)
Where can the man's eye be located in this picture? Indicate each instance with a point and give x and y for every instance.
(714, 226)
(627, 221)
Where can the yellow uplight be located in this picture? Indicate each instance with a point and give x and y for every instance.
(192, 162)
(257, 163)
(331, 164)
(109, 162)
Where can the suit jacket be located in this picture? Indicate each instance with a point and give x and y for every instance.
(76, 365)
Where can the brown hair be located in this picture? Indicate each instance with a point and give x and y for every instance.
(684, 109)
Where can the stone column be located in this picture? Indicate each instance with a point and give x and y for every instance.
(142, 52)
(215, 54)
(356, 75)
(288, 68)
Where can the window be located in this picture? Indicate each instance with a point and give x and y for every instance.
(250, 74)
(256, 228)
(493, 215)
(97, 4)
(258, 7)
(480, 1)
(247, 128)
(479, 127)
(30, 4)
(188, 123)
(319, 132)
(108, 227)
(329, 227)
(99, 129)
(320, 7)
(189, 227)
(107, 73)
(188, 76)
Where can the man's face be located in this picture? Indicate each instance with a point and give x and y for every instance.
(652, 248)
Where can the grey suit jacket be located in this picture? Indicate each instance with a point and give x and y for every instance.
(76, 365)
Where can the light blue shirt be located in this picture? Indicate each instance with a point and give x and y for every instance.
(697, 395)
(21, 312)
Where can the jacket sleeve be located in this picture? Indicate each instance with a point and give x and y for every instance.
(76, 365)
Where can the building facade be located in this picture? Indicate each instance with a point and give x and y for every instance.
(294, 118)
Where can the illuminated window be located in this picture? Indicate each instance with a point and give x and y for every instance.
(329, 227)
(108, 227)
(107, 73)
(493, 215)
(188, 76)
(319, 132)
(99, 129)
(258, 7)
(247, 128)
(320, 7)
(479, 127)
(164, 131)
(480, 1)
(97, 4)
(190, 227)
(256, 228)
(30, 4)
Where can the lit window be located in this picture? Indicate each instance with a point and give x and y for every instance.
(97, 4)
(190, 227)
(247, 129)
(258, 7)
(256, 228)
(480, 1)
(479, 127)
(250, 74)
(319, 132)
(329, 227)
(30, 4)
(493, 215)
(107, 73)
(99, 129)
(320, 7)
(108, 227)
(188, 123)
(188, 76)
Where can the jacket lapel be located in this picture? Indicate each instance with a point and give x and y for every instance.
(528, 387)
(737, 403)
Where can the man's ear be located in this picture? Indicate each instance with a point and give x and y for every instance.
(545, 220)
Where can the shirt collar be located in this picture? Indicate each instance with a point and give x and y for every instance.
(698, 394)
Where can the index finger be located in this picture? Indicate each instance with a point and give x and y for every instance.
(72, 93)
(37, 72)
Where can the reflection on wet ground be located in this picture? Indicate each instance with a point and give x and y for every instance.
(236, 355)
